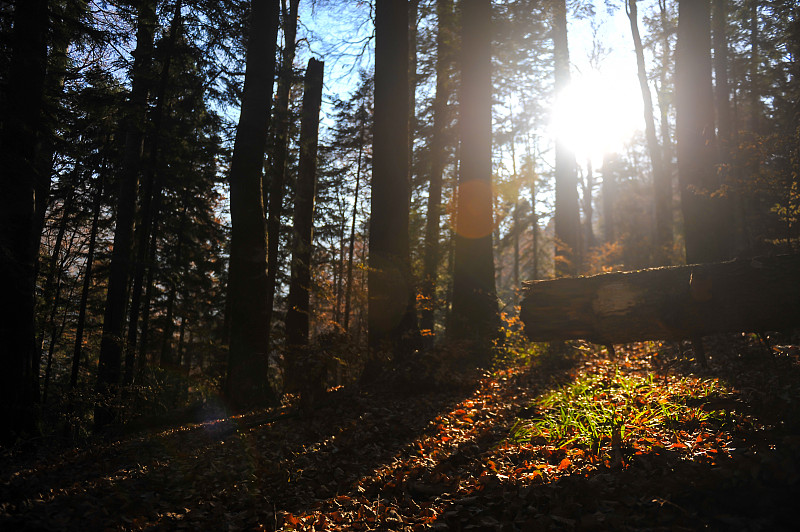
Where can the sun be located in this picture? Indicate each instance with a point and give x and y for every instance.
(597, 114)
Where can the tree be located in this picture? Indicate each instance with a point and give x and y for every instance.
(298, 312)
(698, 176)
(21, 127)
(475, 316)
(567, 217)
(150, 195)
(392, 319)
(109, 369)
(248, 367)
(280, 146)
(662, 186)
(438, 162)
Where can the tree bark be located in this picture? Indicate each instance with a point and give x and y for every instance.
(168, 359)
(704, 233)
(567, 216)
(152, 190)
(662, 185)
(109, 369)
(21, 125)
(351, 246)
(280, 145)
(299, 309)
(670, 303)
(475, 317)
(247, 382)
(438, 157)
(87, 280)
(609, 230)
(391, 313)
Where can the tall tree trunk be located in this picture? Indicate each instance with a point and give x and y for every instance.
(53, 91)
(55, 334)
(167, 355)
(109, 370)
(662, 185)
(705, 240)
(755, 64)
(413, 11)
(567, 216)
(87, 279)
(280, 146)
(52, 282)
(352, 243)
(609, 230)
(661, 92)
(247, 382)
(391, 314)
(152, 268)
(588, 208)
(441, 121)
(298, 312)
(475, 317)
(21, 125)
(152, 189)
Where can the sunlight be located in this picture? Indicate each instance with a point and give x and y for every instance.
(598, 113)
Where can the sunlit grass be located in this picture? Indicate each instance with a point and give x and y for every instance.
(615, 408)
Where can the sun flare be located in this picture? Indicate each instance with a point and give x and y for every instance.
(597, 113)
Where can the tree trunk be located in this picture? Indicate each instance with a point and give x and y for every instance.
(299, 310)
(588, 208)
(168, 359)
(247, 382)
(352, 243)
(475, 317)
(151, 190)
(671, 303)
(413, 11)
(53, 92)
(21, 125)
(52, 282)
(109, 370)
(439, 141)
(567, 217)
(87, 279)
(280, 145)
(662, 186)
(609, 231)
(152, 268)
(702, 212)
(391, 314)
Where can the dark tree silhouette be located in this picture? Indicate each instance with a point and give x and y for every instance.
(392, 320)
(438, 157)
(109, 370)
(298, 312)
(21, 126)
(280, 152)
(697, 172)
(248, 366)
(567, 217)
(474, 313)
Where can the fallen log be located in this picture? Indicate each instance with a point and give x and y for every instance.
(670, 303)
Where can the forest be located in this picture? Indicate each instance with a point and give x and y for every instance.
(399, 264)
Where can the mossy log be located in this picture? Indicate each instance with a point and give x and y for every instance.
(670, 303)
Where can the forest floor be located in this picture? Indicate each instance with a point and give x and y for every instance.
(641, 440)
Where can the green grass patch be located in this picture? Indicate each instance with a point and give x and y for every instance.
(610, 407)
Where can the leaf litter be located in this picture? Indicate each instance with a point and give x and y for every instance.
(585, 442)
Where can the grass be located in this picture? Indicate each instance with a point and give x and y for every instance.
(611, 409)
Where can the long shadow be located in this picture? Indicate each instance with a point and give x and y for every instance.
(211, 478)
